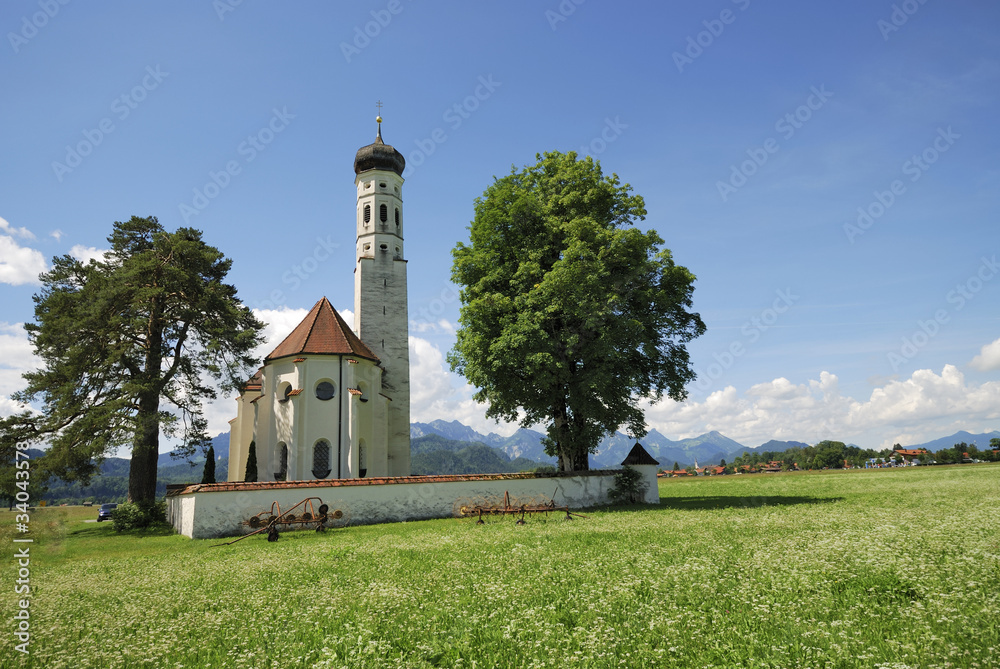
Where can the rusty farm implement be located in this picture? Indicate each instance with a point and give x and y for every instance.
(310, 512)
(509, 506)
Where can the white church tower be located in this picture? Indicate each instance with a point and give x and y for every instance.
(380, 306)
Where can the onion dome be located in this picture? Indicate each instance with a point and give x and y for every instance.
(379, 156)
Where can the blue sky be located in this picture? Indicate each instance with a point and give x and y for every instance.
(827, 170)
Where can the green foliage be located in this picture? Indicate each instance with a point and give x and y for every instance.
(570, 315)
(628, 487)
(138, 515)
(209, 474)
(121, 337)
(676, 467)
(251, 471)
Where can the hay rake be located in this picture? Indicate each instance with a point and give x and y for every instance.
(517, 507)
(302, 515)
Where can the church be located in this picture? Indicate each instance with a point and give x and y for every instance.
(330, 401)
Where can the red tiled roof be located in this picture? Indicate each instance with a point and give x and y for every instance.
(256, 381)
(911, 451)
(387, 480)
(299, 360)
(293, 393)
(322, 331)
(354, 391)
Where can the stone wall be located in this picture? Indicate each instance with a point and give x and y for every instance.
(216, 510)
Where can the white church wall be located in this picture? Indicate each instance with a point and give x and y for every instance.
(652, 495)
(318, 419)
(211, 511)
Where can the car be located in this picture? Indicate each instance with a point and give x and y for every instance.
(104, 513)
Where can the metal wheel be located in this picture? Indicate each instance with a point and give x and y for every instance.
(462, 508)
(339, 515)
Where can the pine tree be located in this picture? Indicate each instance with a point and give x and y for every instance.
(676, 466)
(209, 475)
(251, 473)
(125, 344)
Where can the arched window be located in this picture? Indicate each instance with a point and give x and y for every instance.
(362, 459)
(282, 472)
(383, 213)
(368, 213)
(284, 391)
(397, 217)
(321, 459)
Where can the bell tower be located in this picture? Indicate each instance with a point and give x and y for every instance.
(380, 304)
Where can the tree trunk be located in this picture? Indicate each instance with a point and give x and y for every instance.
(145, 451)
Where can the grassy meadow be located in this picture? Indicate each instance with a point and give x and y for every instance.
(888, 568)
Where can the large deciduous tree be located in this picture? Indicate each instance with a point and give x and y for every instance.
(129, 345)
(570, 314)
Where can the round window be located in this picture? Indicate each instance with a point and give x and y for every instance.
(325, 390)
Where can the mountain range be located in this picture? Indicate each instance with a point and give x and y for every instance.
(708, 448)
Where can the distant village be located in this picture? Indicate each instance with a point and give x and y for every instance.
(835, 455)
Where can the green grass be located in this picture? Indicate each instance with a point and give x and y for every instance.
(835, 569)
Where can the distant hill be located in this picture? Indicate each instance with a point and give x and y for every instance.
(706, 449)
(435, 454)
(777, 446)
(981, 441)
(220, 443)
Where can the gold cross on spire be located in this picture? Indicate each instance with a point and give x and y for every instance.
(379, 106)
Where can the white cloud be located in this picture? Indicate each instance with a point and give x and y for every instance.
(56, 234)
(87, 253)
(279, 324)
(23, 233)
(16, 357)
(19, 264)
(925, 406)
(437, 394)
(988, 358)
(443, 325)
